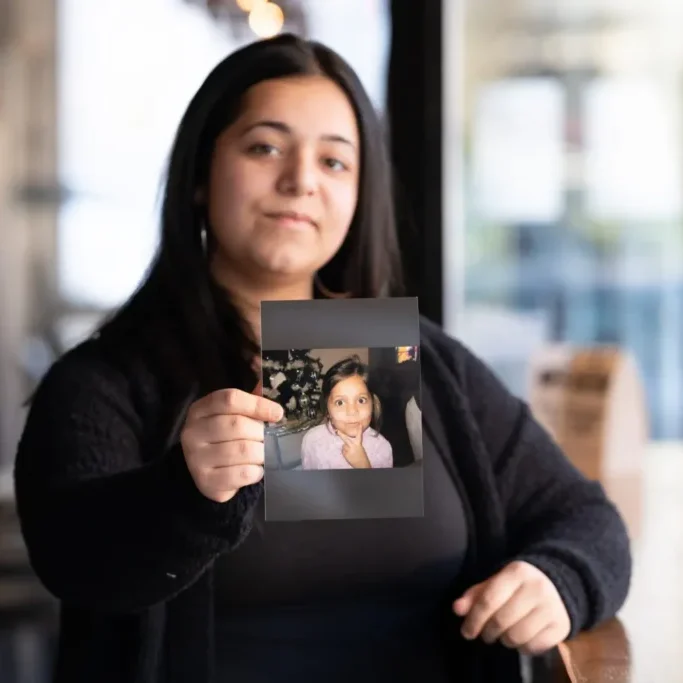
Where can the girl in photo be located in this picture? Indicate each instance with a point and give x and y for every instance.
(348, 437)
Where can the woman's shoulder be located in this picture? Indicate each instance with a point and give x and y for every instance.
(445, 358)
(441, 349)
(434, 339)
(94, 370)
(95, 360)
(85, 363)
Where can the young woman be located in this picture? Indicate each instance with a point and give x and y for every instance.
(138, 476)
(347, 437)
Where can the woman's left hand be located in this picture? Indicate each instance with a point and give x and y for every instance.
(519, 606)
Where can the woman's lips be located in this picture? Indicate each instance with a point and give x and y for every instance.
(292, 219)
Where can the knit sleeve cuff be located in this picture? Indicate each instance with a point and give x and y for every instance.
(570, 586)
(231, 521)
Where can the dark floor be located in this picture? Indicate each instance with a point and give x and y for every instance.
(26, 652)
(28, 614)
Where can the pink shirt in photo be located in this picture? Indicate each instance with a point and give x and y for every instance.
(321, 449)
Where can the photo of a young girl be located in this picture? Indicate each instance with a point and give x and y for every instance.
(348, 436)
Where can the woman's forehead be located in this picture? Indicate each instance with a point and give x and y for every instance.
(308, 105)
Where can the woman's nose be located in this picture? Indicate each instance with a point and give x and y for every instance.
(299, 175)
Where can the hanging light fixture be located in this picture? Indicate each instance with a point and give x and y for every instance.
(257, 18)
(266, 19)
(249, 5)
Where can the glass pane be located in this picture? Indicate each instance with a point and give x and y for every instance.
(119, 104)
(564, 173)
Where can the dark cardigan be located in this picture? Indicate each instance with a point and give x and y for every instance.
(116, 529)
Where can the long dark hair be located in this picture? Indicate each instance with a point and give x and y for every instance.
(197, 332)
(352, 366)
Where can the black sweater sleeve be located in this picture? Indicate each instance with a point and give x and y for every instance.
(106, 528)
(556, 519)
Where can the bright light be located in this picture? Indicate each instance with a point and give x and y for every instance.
(249, 5)
(266, 19)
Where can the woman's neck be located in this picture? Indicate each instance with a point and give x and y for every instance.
(247, 296)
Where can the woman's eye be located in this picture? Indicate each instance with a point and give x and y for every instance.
(335, 164)
(339, 403)
(264, 150)
(362, 400)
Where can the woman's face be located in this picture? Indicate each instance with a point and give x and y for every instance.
(283, 182)
(349, 406)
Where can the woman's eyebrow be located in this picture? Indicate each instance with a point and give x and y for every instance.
(282, 127)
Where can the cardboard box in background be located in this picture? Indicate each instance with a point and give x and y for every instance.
(592, 402)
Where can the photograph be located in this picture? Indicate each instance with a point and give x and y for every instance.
(344, 408)
(347, 374)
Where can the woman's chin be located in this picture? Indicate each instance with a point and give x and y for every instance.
(286, 266)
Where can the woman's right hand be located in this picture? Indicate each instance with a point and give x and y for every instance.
(222, 441)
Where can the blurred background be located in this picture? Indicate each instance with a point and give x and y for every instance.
(539, 158)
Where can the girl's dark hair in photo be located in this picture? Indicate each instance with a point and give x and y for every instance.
(352, 366)
(178, 299)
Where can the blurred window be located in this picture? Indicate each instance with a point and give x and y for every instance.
(564, 185)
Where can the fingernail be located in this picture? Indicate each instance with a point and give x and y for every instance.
(466, 634)
(276, 414)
